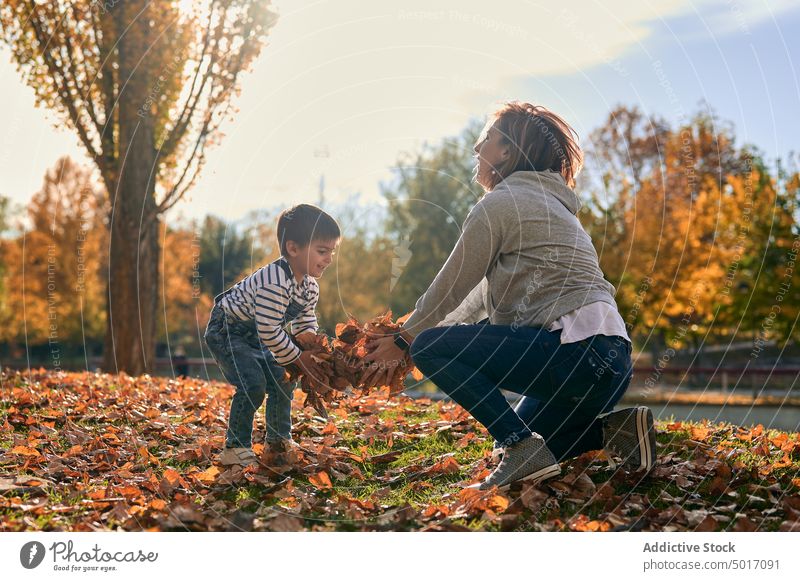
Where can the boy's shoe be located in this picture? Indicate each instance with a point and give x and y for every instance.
(630, 434)
(282, 446)
(280, 452)
(238, 457)
(529, 460)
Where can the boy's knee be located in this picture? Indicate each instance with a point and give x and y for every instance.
(285, 390)
(247, 380)
(253, 393)
(214, 341)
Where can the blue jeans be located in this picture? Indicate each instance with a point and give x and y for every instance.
(253, 371)
(565, 387)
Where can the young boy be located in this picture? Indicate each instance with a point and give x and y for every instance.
(247, 337)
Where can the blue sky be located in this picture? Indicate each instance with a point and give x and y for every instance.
(344, 87)
(748, 75)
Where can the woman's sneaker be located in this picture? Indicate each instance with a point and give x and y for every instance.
(497, 451)
(528, 460)
(630, 434)
(238, 457)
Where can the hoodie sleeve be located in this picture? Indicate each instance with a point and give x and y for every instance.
(471, 310)
(473, 255)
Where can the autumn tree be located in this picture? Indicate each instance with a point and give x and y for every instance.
(54, 271)
(145, 86)
(768, 298)
(186, 307)
(199, 261)
(5, 205)
(618, 156)
(684, 220)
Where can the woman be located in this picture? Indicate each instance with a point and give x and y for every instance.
(549, 326)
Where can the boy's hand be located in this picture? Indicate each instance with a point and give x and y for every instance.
(305, 338)
(314, 370)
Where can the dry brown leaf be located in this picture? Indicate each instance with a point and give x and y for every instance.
(321, 480)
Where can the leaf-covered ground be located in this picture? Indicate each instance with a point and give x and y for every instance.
(84, 452)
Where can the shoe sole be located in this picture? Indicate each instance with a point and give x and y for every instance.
(536, 477)
(647, 438)
(237, 462)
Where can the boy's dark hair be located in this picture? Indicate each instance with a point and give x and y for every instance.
(303, 223)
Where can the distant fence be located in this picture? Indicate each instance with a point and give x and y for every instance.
(756, 379)
(753, 379)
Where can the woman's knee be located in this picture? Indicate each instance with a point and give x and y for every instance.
(425, 344)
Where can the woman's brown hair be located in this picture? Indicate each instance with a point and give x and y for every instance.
(539, 139)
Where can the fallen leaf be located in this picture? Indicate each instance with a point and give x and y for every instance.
(207, 476)
(24, 451)
(321, 480)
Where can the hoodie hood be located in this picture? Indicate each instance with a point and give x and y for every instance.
(549, 181)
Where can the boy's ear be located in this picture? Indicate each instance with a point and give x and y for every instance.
(291, 248)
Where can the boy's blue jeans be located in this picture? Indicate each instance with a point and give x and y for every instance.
(565, 387)
(253, 371)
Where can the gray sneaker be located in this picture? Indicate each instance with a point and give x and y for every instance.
(630, 434)
(529, 460)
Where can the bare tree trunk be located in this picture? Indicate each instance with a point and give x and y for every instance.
(134, 253)
(132, 295)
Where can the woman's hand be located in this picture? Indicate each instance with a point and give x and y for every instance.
(314, 370)
(383, 360)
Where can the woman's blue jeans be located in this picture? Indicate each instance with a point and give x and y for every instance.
(253, 371)
(564, 387)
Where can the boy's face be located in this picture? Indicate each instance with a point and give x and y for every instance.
(315, 257)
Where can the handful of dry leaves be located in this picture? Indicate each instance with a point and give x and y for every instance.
(342, 361)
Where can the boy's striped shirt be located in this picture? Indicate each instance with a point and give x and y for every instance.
(265, 296)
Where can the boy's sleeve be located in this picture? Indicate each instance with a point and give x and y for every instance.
(272, 300)
(307, 319)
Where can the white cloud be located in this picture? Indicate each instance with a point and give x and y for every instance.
(723, 17)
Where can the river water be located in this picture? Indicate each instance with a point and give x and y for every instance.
(777, 417)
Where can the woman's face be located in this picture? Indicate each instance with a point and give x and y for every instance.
(490, 153)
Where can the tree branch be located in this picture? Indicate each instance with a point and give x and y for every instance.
(63, 92)
(109, 107)
(180, 126)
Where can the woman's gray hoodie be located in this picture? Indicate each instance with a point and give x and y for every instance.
(523, 259)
